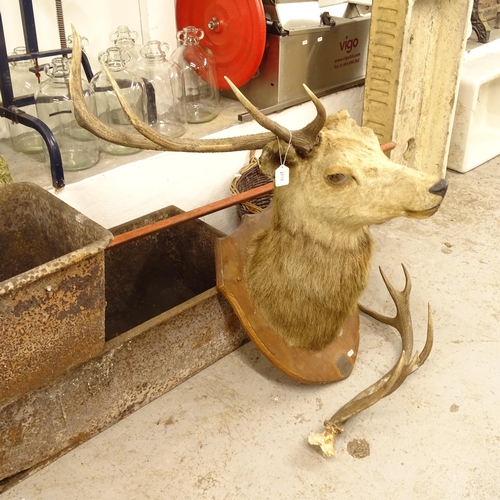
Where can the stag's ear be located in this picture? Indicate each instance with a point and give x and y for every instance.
(339, 120)
(273, 155)
(343, 124)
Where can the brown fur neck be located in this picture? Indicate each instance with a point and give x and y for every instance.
(316, 282)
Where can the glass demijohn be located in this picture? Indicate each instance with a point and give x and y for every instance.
(79, 148)
(84, 42)
(124, 38)
(24, 82)
(200, 82)
(109, 110)
(166, 102)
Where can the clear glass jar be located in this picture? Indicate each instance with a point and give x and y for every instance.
(200, 81)
(125, 39)
(24, 82)
(84, 42)
(109, 109)
(166, 102)
(79, 148)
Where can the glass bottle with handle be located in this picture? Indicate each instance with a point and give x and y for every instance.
(79, 148)
(200, 82)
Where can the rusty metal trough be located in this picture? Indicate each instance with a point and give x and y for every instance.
(51, 288)
(164, 321)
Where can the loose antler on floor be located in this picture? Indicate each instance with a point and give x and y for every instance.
(406, 365)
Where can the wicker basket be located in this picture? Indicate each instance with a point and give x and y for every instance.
(250, 177)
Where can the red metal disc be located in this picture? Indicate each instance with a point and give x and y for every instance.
(237, 42)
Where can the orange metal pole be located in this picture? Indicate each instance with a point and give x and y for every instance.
(192, 214)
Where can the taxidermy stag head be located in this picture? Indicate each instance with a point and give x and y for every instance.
(307, 271)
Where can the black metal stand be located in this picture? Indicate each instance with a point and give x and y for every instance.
(10, 104)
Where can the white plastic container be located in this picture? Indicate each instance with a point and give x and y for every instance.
(476, 128)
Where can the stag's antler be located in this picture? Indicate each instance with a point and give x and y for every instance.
(406, 365)
(303, 139)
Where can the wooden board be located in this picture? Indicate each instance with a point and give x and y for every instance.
(410, 43)
(334, 362)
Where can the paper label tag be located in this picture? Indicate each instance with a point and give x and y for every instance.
(281, 176)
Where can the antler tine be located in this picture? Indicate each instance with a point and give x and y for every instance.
(401, 322)
(312, 129)
(429, 341)
(375, 315)
(392, 291)
(282, 132)
(303, 139)
(368, 397)
(394, 294)
(360, 402)
(392, 379)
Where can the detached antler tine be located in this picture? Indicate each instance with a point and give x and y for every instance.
(429, 341)
(408, 369)
(369, 396)
(391, 380)
(377, 316)
(396, 297)
(362, 401)
(407, 288)
(402, 320)
(396, 294)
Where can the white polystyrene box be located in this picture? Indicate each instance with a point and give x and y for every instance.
(475, 137)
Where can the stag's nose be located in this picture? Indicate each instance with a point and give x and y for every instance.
(439, 188)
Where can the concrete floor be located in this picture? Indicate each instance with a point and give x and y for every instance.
(238, 430)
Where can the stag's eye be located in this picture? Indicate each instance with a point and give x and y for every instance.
(337, 179)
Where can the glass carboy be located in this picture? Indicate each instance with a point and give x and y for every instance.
(125, 38)
(24, 82)
(200, 82)
(79, 148)
(109, 110)
(164, 84)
